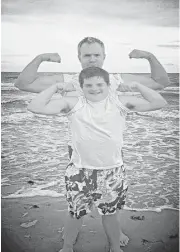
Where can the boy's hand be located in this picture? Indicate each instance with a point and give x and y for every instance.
(69, 87)
(128, 87)
(65, 87)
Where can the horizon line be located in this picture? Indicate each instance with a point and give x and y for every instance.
(66, 72)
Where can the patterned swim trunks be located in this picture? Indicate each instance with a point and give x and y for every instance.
(106, 189)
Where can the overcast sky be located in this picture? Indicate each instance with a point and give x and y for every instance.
(31, 27)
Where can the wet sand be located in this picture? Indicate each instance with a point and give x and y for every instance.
(35, 225)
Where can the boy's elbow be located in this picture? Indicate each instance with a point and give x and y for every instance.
(30, 108)
(33, 109)
(161, 104)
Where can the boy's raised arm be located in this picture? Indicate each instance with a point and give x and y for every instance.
(44, 104)
(152, 99)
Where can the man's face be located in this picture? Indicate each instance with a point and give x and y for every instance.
(95, 89)
(91, 55)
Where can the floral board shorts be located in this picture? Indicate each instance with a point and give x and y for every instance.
(106, 189)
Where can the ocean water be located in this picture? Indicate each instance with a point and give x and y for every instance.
(34, 150)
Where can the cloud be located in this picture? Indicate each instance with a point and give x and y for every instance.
(169, 46)
(39, 26)
(152, 12)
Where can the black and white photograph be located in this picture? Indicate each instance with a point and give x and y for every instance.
(89, 126)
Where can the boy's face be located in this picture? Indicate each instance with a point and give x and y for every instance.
(95, 89)
(91, 55)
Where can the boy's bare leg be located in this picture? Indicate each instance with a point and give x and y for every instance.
(123, 238)
(111, 227)
(71, 229)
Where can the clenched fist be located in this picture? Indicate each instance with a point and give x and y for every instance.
(65, 87)
(139, 54)
(52, 57)
(128, 87)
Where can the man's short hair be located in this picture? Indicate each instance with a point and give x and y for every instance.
(90, 40)
(93, 72)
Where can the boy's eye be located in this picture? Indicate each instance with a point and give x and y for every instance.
(88, 85)
(99, 84)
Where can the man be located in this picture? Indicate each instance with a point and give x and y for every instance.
(91, 52)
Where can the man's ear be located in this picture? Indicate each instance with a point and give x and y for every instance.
(79, 57)
(104, 56)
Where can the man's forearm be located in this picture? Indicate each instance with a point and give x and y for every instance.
(158, 72)
(29, 73)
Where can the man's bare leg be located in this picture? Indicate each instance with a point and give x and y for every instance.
(111, 227)
(71, 229)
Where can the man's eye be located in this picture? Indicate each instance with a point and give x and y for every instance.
(87, 55)
(97, 55)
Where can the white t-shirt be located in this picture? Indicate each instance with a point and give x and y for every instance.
(115, 81)
(97, 132)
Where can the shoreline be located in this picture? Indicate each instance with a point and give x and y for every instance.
(35, 225)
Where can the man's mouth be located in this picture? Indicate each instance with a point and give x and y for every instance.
(92, 65)
(95, 93)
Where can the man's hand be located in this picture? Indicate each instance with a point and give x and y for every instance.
(139, 54)
(52, 57)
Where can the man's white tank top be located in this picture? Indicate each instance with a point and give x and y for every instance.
(97, 132)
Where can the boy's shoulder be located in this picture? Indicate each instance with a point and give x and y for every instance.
(74, 103)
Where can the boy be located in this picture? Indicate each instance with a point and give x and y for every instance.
(95, 174)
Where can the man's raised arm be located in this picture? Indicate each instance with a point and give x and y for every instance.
(29, 80)
(158, 79)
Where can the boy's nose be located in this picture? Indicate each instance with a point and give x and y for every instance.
(94, 88)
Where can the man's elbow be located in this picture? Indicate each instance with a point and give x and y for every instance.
(20, 86)
(17, 84)
(163, 83)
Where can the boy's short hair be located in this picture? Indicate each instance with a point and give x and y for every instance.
(90, 40)
(93, 72)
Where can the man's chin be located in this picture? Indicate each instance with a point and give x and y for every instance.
(93, 65)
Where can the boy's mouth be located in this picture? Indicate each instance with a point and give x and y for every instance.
(95, 93)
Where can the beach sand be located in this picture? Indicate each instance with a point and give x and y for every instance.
(35, 225)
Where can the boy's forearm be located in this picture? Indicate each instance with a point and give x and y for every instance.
(149, 94)
(42, 99)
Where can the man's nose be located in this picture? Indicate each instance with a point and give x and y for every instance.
(92, 58)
